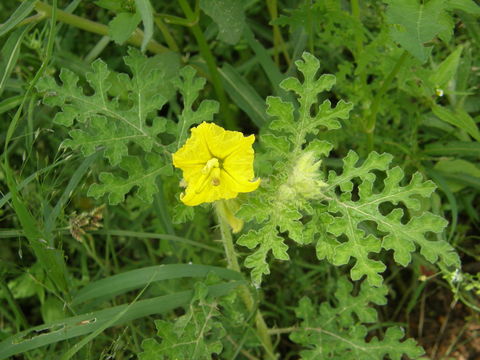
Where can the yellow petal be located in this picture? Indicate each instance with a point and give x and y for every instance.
(216, 164)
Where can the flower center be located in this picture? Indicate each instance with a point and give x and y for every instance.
(212, 171)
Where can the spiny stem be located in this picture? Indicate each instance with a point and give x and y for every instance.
(245, 294)
(97, 28)
(211, 64)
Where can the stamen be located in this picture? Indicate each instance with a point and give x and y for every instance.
(210, 165)
(210, 174)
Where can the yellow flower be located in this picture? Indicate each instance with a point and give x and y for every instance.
(216, 163)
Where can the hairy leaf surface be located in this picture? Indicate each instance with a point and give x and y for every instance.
(338, 331)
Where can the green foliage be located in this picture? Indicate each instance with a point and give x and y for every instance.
(113, 124)
(116, 122)
(200, 332)
(392, 234)
(122, 26)
(298, 189)
(338, 332)
(138, 176)
(228, 15)
(345, 213)
(285, 191)
(415, 23)
(190, 86)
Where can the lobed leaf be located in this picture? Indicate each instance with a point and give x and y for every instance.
(199, 330)
(338, 331)
(144, 179)
(348, 215)
(190, 86)
(100, 110)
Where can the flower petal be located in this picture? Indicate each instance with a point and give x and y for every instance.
(233, 155)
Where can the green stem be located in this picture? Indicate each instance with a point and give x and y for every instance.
(169, 39)
(211, 64)
(372, 118)
(245, 294)
(358, 35)
(278, 41)
(97, 28)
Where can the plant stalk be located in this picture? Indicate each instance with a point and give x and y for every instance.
(245, 294)
(97, 28)
(211, 64)
(278, 41)
(358, 35)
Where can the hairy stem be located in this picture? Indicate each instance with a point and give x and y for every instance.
(245, 294)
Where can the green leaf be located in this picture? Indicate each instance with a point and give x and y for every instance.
(460, 148)
(244, 95)
(263, 57)
(190, 86)
(399, 237)
(200, 330)
(51, 259)
(337, 331)
(120, 123)
(98, 110)
(135, 279)
(458, 118)
(297, 179)
(143, 178)
(83, 324)
(228, 15)
(414, 24)
(457, 166)
(447, 69)
(122, 26)
(144, 8)
(468, 6)
(113, 5)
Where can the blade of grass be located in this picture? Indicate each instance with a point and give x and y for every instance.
(30, 178)
(268, 66)
(460, 148)
(10, 103)
(71, 186)
(86, 323)
(458, 118)
(76, 348)
(14, 233)
(18, 15)
(244, 95)
(127, 281)
(167, 237)
(9, 55)
(145, 9)
(50, 258)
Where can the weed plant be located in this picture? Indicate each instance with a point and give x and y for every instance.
(239, 180)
